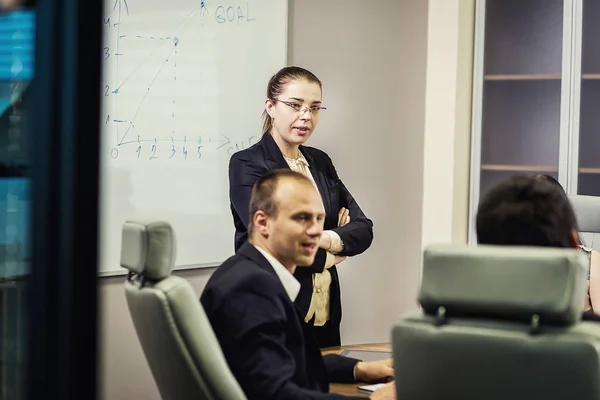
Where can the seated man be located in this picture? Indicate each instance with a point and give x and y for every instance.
(528, 211)
(249, 301)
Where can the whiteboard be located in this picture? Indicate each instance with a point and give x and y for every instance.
(183, 88)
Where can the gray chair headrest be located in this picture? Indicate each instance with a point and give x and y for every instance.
(587, 210)
(507, 282)
(148, 248)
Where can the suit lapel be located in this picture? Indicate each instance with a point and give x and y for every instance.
(274, 157)
(275, 160)
(314, 359)
(249, 251)
(319, 179)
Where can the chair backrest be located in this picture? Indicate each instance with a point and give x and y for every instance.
(498, 323)
(587, 210)
(177, 339)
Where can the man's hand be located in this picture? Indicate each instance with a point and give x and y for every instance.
(343, 217)
(374, 371)
(388, 392)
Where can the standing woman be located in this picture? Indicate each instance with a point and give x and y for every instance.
(292, 111)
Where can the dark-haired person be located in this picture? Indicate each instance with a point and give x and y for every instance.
(293, 107)
(529, 211)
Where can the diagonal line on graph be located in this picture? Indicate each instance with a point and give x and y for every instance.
(187, 18)
(154, 79)
(146, 95)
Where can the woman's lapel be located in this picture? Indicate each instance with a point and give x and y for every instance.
(319, 178)
(275, 159)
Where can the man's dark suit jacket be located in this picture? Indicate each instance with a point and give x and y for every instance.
(248, 165)
(267, 345)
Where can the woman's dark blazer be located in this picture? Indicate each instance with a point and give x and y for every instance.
(247, 166)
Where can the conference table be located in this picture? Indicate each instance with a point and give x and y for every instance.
(352, 388)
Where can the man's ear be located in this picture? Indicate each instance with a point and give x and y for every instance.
(261, 221)
(575, 238)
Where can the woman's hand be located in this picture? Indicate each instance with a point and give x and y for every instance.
(325, 240)
(343, 217)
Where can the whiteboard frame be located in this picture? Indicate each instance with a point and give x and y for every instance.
(189, 267)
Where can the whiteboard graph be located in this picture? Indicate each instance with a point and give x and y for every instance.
(151, 75)
(183, 89)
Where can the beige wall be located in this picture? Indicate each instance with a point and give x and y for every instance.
(448, 121)
(372, 58)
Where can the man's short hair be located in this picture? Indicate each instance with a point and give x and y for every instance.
(526, 211)
(263, 193)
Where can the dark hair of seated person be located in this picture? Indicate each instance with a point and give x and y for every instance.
(550, 179)
(526, 211)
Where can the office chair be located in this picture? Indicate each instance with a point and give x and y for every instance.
(587, 210)
(177, 339)
(498, 322)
